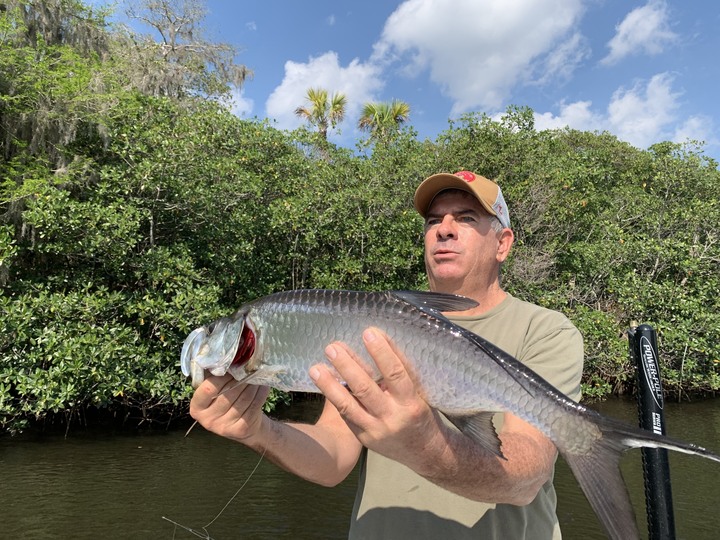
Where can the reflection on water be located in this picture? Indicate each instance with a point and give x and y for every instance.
(119, 485)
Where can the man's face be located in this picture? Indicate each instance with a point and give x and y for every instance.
(462, 250)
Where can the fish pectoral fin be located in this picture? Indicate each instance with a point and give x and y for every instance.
(480, 428)
(598, 473)
(249, 378)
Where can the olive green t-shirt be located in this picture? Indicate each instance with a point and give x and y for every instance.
(393, 502)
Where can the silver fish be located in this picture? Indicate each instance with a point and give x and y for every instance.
(274, 340)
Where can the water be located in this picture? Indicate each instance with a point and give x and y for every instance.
(695, 481)
(119, 485)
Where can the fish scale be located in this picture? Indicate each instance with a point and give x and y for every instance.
(458, 373)
(303, 327)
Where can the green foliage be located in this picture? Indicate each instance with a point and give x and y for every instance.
(63, 353)
(609, 235)
(347, 224)
(128, 219)
(383, 120)
(324, 111)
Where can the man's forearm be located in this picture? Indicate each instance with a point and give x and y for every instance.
(460, 465)
(309, 451)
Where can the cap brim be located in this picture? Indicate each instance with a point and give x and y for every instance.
(432, 185)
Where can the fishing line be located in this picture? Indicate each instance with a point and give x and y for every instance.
(239, 489)
(205, 535)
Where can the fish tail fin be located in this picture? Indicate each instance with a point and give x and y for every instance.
(598, 473)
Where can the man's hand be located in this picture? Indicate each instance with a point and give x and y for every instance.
(228, 408)
(389, 416)
(392, 418)
(324, 452)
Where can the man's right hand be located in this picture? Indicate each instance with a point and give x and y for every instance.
(228, 408)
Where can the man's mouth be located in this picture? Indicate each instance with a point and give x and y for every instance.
(444, 252)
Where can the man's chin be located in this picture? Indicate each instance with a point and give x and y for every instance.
(445, 280)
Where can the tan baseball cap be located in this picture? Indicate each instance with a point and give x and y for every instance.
(486, 191)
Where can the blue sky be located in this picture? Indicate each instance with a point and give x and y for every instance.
(646, 71)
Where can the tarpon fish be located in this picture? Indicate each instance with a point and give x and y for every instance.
(274, 341)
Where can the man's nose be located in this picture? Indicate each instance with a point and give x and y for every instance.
(446, 229)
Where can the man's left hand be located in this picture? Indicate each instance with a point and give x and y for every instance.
(388, 416)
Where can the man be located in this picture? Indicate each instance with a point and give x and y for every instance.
(420, 477)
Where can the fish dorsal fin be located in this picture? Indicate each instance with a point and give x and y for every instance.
(434, 301)
(480, 428)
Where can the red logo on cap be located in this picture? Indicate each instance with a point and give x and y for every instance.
(466, 175)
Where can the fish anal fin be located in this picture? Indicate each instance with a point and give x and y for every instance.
(598, 473)
(480, 428)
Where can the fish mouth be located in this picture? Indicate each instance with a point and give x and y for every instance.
(216, 348)
(191, 344)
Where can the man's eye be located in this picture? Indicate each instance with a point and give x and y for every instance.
(466, 219)
(432, 222)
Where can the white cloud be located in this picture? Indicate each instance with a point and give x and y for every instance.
(358, 81)
(696, 128)
(560, 63)
(642, 115)
(477, 50)
(576, 115)
(644, 30)
(240, 105)
(330, 20)
(252, 26)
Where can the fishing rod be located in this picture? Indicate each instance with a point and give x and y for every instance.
(656, 469)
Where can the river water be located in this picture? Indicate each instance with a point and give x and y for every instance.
(101, 484)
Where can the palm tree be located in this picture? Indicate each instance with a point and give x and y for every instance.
(382, 119)
(322, 112)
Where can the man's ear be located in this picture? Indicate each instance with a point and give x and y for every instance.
(505, 242)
